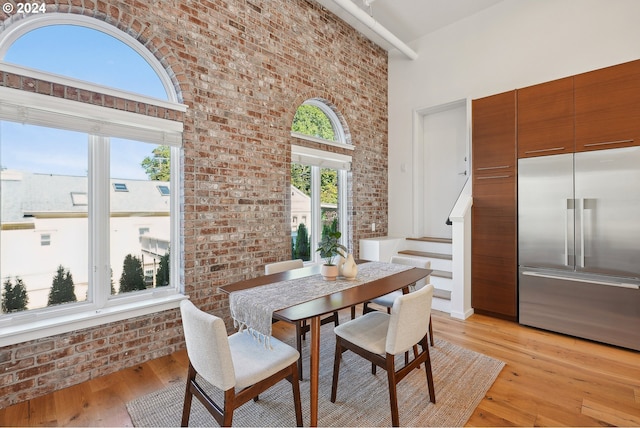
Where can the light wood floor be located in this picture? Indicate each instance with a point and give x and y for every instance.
(548, 380)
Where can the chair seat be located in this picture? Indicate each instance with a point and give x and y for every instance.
(368, 331)
(253, 362)
(388, 299)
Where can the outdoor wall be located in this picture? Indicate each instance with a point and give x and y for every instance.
(511, 45)
(242, 67)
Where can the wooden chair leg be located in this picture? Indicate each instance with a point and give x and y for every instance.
(336, 370)
(393, 393)
(229, 406)
(365, 308)
(336, 320)
(295, 384)
(188, 396)
(427, 367)
(430, 331)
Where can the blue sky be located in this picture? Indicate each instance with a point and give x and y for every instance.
(89, 55)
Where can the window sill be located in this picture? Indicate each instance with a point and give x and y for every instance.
(40, 328)
(322, 141)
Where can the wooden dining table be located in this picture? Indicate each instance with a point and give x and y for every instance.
(314, 309)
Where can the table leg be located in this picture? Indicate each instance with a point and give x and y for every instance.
(315, 369)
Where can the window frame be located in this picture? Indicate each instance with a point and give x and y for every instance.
(338, 129)
(19, 28)
(100, 124)
(318, 159)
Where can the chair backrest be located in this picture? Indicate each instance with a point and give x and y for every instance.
(283, 266)
(208, 346)
(409, 320)
(415, 262)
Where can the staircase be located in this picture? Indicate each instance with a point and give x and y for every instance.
(438, 251)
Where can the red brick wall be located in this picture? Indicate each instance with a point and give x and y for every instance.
(242, 67)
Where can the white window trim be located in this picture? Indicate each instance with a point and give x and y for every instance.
(32, 326)
(318, 159)
(27, 107)
(322, 141)
(315, 157)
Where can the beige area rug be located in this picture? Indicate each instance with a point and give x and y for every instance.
(462, 378)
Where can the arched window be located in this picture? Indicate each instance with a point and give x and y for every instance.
(86, 50)
(89, 190)
(315, 119)
(318, 179)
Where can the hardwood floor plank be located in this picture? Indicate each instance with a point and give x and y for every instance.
(18, 415)
(611, 414)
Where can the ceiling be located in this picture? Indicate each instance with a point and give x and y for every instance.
(408, 20)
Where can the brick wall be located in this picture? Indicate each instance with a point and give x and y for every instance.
(242, 67)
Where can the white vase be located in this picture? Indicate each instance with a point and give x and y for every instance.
(349, 268)
(329, 272)
(340, 263)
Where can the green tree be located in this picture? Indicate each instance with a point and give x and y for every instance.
(158, 166)
(132, 277)
(14, 298)
(301, 177)
(62, 288)
(303, 246)
(312, 121)
(329, 227)
(328, 186)
(162, 276)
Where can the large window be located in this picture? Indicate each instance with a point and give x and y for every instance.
(90, 203)
(318, 180)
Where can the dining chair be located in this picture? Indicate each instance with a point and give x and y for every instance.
(239, 365)
(379, 337)
(301, 326)
(388, 299)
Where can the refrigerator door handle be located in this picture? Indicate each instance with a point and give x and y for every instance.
(590, 281)
(580, 235)
(569, 214)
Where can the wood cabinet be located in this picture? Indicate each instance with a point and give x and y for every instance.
(607, 107)
(546, 119)
(494, 242)
(590, 111)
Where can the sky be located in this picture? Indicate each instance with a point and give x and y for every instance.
(89, 55)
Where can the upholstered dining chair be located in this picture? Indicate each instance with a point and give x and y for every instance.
(379, 337)
(239, 365)
(388, 299)
(301, 326)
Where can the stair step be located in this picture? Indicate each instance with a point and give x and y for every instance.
(442, 274)
(426, 254)
(430, 239)
(442, 294)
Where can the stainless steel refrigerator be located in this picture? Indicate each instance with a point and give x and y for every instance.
(579, 244)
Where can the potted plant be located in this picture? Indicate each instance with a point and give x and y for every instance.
(329, 248)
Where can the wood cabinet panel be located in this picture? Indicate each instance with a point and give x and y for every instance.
(493, 222)
(494, 247)
(607, 107)
(546, 119)
(494, 132)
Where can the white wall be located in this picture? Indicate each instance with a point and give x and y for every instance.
(513, 44)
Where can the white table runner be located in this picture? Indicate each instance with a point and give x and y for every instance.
(252, 309)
